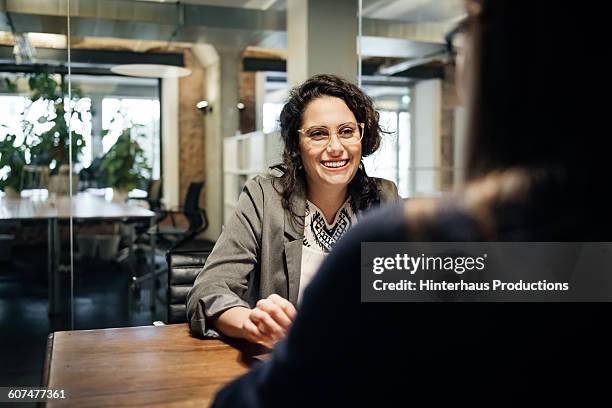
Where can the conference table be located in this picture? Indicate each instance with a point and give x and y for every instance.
(135, 366)
(83, 206)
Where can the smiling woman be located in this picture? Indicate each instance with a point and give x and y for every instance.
(286, 224)
(330, 163)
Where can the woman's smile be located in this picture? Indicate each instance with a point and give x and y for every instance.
(335, 165)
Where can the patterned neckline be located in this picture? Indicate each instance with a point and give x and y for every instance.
(320, 235)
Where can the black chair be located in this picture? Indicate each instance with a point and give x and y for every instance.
(185, 261)
(153, 200)
(168, 237)
(154, 195)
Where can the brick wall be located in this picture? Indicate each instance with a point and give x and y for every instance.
(247, 97)
(191, 135)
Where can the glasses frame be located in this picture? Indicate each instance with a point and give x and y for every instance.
(360, 125)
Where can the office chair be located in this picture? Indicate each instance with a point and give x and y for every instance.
(185, 261)
(34, 177)
(139, 239)
(153, 198)
(166, 238)
(154, 195)
(196, 217)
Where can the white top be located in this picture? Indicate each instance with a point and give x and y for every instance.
(320, 237)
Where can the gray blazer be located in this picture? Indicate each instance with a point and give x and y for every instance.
(259, 253)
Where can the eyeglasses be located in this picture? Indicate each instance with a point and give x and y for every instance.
(454, 38)
(348, 134)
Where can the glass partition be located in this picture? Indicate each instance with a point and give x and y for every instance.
(119, 160)
(80, 170)
(35, 162)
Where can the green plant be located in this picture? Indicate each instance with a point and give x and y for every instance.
(53, 146)
(124, 166)
(13, 159)
(50, 147)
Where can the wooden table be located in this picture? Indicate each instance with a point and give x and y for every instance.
(158, 366)
(40, 205)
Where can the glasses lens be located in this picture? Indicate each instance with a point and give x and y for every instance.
(348, 133)
(317, 135)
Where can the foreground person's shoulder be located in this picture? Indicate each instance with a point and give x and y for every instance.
(384, 223)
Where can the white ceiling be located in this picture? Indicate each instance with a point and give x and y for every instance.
(424, 22)
(247, 4)
(415, 11)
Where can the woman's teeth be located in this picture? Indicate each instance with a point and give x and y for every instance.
(335, 164)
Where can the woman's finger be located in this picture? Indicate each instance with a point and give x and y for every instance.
(252, 332)
(284, 304)
(276, 312)
(254, 335)
(271, 328)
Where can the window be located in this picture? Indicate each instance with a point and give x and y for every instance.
(119, 113)
(271, 116)
(97, 100)
(117, 103)
(392, 160)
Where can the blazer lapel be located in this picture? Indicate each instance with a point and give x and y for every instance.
(294, 234)
(293, 258)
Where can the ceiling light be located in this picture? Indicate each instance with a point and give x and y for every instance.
(151, 70)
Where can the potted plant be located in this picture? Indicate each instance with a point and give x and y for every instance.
(125, 166)
(53, 145)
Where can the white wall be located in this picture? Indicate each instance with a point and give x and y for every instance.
(426, 134)
(170, 145)
(209, 59)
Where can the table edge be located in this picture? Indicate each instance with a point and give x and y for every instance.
(48, 355)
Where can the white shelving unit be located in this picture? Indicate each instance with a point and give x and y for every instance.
(244, 157)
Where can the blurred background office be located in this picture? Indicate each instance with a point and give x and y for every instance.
(128, 128)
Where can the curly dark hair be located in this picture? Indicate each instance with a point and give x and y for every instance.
(363, 190)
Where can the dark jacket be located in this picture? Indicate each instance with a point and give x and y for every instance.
(343, 352)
